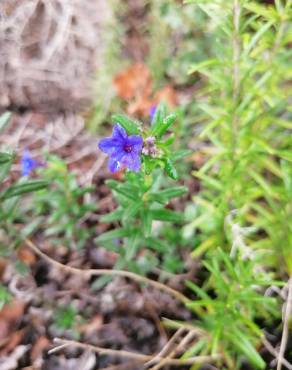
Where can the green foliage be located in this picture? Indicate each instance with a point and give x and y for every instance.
(229, 312)
(61, 210)
(246, 124)
(242, 117)
(4, 296)
(10, 197)
(143, 202)
(65, 317)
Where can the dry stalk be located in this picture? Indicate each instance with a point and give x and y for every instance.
(132, 355)
(286, 320)
(100, 272)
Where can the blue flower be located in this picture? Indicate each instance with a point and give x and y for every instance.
(152, 111)
(122, 149)
(28, 164)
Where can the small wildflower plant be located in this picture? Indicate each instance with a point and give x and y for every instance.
(147, 155)
(10, 195)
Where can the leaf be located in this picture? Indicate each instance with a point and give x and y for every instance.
(127, 191)
(170, 169)
(116, 215)
(180, 154)
(132, 245)
(158, 118)
(198, 67)
(244, 345)
(287, 177)
(200, 292)
(257, 36)
(27, 187)
(4, 170)
(157, 245)
(210, 181)
(166, 215)
(4, 119)
(131, 211)
(113, 234)
(164, 125)
(146, 218)
(5, 158)
(167, 194)
(195, 349)
(127, 123)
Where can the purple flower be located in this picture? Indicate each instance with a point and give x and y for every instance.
(28, 164)
(122, 149)
(152, 111)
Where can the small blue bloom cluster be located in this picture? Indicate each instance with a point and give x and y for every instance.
(123, 150)
(28, 164)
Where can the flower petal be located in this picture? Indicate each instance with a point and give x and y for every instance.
(132, 161)
(119, 133)
(28, 164)
(114, 165)
(136, 142)
(109, 145)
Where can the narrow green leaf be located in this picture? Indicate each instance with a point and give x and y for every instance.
(257, 36)
(127, 191)
(170, 193)
(180, 154)
(27, 187)
(116, 215)
(146, 222)
(158, 118)
(132, 210)
(170, 169)
(113, 234)
(166, 215)
(244, 345)
(132, 245)
(5, 158)
(164, 125)
(127, 123)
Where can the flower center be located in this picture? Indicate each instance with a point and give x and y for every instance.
(128, 148)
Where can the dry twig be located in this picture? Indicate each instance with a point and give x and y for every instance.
(100, 272)
(132, 355)
(286, 319)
